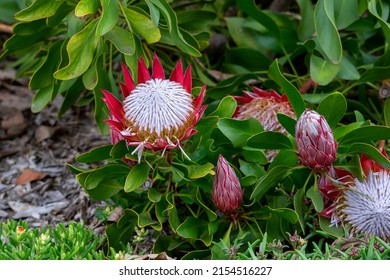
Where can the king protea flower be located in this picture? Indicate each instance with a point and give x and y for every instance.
(156, 113)
(315, 143)
(365, 207)
(227, 193)
(264, 106)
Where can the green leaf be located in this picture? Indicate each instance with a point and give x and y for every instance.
(90, 77)
(385, 25)
(226, 108)
(106, 172)
(274, 176)
(122, 39)
(154, 12)
(39, 9)
(270, 140)
(108, 18)
(154, 195)
(329, 229)
(292, 93)
(80, 48)
(143, 26)
(250, 7)
(371, 152)
(286, 158)
(239, 131)
(253, 155)
(199, 171)
(119, 150)
(342, 18)
(386, 112)
(347, 70)
(41, 98)
(171, 19)
(299, 206)
(341, 131)
(96, 154)
(287, 122)
(306, 27)
(322, 71)
(43, 77)
(327, 33)
(365, 134)
(86, 7)
(105, 189)
(316, 198)
(333, 108)
(137, 176)
(194, 228)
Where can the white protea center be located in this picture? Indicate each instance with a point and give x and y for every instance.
(160, 108)
(366, 205)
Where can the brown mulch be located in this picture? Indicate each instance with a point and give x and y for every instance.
(35, 183)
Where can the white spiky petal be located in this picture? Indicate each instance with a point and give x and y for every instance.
(366, 205)
(158, 105)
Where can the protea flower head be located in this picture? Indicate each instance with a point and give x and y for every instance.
(156, 113)
(264, 106)
(315, 143)
(227, 193)
(365, 206)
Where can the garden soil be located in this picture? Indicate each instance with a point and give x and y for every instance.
(35, 148)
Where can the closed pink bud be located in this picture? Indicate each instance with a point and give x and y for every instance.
(227, 193)
(315, 143)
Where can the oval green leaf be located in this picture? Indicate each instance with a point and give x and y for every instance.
(327, 33)
(239, 131)
(81, 48)
(322, 71)
(333, 108)
(137, 176)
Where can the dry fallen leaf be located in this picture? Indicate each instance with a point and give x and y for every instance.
(29, 175)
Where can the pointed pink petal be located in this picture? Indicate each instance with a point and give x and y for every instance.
(130, 85)
(177, 73)
(158, 71)
(114, 125)
(187, 83)
(260, 92)
(243, 99)
(125, 91)
(199, 99)
(143, 73)
(199, 113)
(274, 94)
(113, 105)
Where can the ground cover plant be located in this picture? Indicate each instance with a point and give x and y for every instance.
(249, 127)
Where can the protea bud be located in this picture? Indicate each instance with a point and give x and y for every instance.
(264, 106)
(227, 193)
(315, 143)
(156, 113)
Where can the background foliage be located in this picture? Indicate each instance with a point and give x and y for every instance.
(331, 56)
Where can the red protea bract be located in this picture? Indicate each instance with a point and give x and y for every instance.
(227, 193)
(315, 143)
(156, 113)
